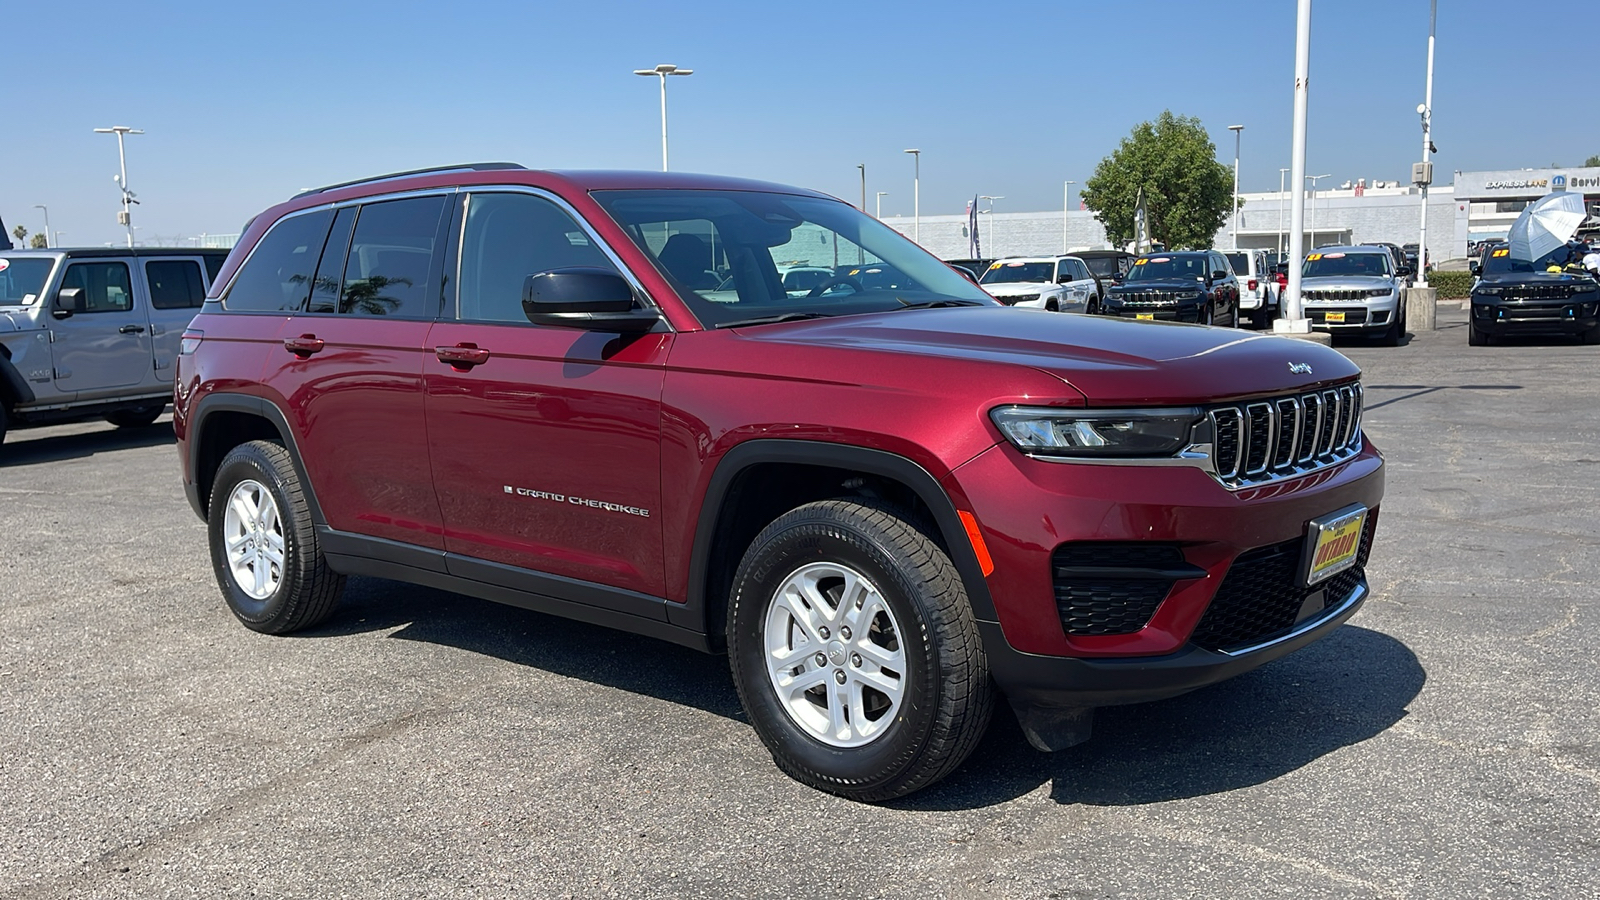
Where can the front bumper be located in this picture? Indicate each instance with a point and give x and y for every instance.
(1357, 317)
(1575, 315)
(1180, 312)
(1034, 659)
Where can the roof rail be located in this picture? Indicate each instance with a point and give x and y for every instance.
(459, 167)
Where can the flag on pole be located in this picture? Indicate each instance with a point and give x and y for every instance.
(974, 243)
(1141, 225)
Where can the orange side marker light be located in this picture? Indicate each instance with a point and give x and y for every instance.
(985, 561)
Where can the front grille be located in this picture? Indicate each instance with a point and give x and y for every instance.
(1104, 587)
(1284, 436)
(1517, 293)
(1328, 294)
(1014, 299)
(1261, 597)
(1149, 298)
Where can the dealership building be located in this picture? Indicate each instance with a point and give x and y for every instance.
(1477, 206)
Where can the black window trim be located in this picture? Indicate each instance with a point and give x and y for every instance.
(149, 287)
(452, 311)
(130, 270)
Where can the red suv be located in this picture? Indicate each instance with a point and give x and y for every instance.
(887, 498)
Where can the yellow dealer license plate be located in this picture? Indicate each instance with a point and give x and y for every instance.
(1335, 317)
(1333, 542)
(1150, 316)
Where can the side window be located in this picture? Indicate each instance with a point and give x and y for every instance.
(386, 272)
(1081, 271)
(106, 286)
(509, 237)
(325, 286)
(174, 284)
(277, 276)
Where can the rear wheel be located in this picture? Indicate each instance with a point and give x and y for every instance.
(1092, 308)
(263, 546)
(137, 416)
(855, 652)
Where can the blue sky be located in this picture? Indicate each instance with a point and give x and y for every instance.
(244, 103)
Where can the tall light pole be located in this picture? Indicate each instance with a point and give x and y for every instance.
(863, 168)
(1066, 203)
(916, 196)
(1237, 130)
(46, 223)
(1313, 223)
(1294, 320)
(881, 195)
(994, 243)
(1426, 111)
(663, 71)
(1281, 173)
(126, 218)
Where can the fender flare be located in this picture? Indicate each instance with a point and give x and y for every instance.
(13, 386)
(262, 408)
(695, 612)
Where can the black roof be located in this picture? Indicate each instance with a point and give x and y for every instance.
(94, 252)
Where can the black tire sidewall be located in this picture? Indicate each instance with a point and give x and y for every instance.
(769, 564)
(247, 463)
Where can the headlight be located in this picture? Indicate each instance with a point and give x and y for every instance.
(1043, 431)
(1490, 289)
(1190, 295)
(1585, 288)
(1380, 292)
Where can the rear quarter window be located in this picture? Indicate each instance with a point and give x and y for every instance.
(277, 276)
(174, 284)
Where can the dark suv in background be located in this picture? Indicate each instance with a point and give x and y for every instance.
(885, 497)
(1515, 296)
(1184, 286)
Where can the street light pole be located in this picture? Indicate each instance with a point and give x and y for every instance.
(46, 223)
(1066, 203)
(1281, 173)
(1426, 110)
(1293, 313)
(916, 196)
(1237, 130)
(122, 182)
(1313, 223)
(881, 195)
(662, 71)
(863, 168)
(994, 243)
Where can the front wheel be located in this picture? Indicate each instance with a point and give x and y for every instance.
(263, 545)
(1476, 338)
(855, 652)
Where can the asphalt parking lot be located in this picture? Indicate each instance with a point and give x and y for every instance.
(423, 744)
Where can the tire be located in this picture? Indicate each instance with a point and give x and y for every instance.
(917, 607)
(1592, 336)
(1207, 315)
(1476, 338)
(1396, 331)
(305, 590)
(4, 422)
(1052, 306)
(1092, 308)
(136, 417)
(1259, 317)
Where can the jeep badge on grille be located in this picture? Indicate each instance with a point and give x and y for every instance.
(1300, 368)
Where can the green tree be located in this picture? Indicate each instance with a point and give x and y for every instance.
(1592, 161)
(19, 233)
(1187, 193)
(38, 242)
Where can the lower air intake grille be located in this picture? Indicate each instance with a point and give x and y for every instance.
(1104, 587)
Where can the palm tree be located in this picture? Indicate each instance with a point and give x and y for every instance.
(21, 231)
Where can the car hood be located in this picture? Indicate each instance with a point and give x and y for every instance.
(1015, 288)
(1156, 284)
(1110, 361)
(1347, 282)
(1534, 278)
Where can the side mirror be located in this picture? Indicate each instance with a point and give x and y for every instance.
(581, 297)
(1407, 271)
(1475, 267)
(1218, 276)
(68, 301)
(966, 273)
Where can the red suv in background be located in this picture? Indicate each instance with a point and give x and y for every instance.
(884, 496)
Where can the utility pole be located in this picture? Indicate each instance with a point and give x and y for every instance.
(663, 71)
(881, 195)
(863, 168)
(1281, 173)
(1237, 131)
(916, 197)
(126, 217)
(1066, 203)
(46, 223)
(1294, 320)
(1425, 176)
(994, 242)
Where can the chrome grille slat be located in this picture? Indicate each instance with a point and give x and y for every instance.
(1264, 440)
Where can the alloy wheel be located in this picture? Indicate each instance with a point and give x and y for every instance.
(253, 532)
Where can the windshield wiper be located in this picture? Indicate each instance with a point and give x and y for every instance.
(769, 320)
(937, 304)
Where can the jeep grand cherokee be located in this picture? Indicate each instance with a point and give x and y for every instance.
(888, 500)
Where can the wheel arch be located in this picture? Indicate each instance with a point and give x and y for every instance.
(14, 389)
(224, 421)
(735, 509)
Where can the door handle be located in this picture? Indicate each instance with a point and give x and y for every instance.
(304, 345)
(131, 329)
(462, 356)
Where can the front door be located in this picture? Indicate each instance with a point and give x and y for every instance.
(546, 451)
(103, 347)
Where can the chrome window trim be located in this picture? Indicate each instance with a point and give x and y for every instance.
(571, 211)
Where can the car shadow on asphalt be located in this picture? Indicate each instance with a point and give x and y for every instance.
(1345, 689)
(1342, 690)
(553, 644)
(19, 451)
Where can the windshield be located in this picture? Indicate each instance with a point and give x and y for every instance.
(1013, 272)
(1240, 262)
(1168, 268)
(22, 280)
(1368, 265)
(734, 256)
(1499, 261)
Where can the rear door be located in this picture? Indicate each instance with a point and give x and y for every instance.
(177, 289)
(102, 347)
